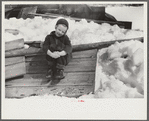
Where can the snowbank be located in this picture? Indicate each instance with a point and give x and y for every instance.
(119, 71)
(79, 32)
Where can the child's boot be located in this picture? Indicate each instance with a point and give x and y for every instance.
(59, 74)
(49, 74)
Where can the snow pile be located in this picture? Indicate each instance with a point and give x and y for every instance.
(120, 70)
(79, 32)
(10, 37)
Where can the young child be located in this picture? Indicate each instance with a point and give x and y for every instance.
(58, 49)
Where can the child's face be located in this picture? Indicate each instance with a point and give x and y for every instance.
(60, 30)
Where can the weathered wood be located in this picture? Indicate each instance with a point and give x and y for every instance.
(74, 59)
(15, 70)
(36, 70)
(68, 91)
(82, 61)
(38, 51)
(14, 60)
(15, 44)
(85, 54)
(15, 53)
(80, 78)
(80, 54)
(41, 67)
(100, 45)
(73, 66)
(77, 81)
(19, 52)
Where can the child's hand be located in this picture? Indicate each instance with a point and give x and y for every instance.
(62, 53)
(55, 55)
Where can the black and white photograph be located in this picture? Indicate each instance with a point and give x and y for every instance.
(76, 53)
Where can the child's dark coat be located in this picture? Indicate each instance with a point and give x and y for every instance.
(54, 43)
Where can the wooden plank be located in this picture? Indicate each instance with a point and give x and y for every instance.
(38, 51)
(77, 62)
(68, 91)
(37, 70)
(14, 60)
(15, 53)
(27, 52)
(15, 44)
(82, 55)
(73, 66)
(81, 78)
(100, 45)
(15, 70)
(90, 46)
(75, 58)
(32, 51)
(85, 54)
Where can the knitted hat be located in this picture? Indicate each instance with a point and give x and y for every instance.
(63, 21)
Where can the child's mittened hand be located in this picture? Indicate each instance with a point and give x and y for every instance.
(62, 53)
(55, 55)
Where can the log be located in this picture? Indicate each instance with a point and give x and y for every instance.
(99, 45)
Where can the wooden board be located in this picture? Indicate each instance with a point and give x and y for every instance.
(38, 51)
(15, 70)
(81, 55)
(14, 60)
(80, 78)
(15, 44)
(82, 61)
(41, 66)
(85, 54)
(68, 91)
(74, 59)
(14, 53)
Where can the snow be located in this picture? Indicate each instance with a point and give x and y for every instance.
(82, 32)
(120, 71)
